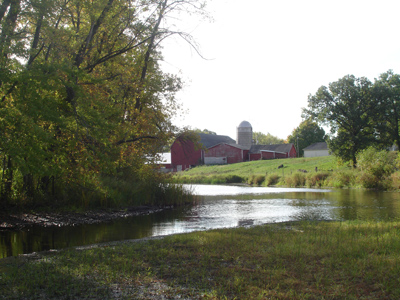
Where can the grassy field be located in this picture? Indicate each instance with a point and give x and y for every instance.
(264, 172)
(263, 167)
(322, 260)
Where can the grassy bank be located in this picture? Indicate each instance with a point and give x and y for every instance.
(331, 260)
(295, 172)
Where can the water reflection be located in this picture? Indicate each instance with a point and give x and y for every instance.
(218, 207)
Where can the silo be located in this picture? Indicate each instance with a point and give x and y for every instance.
(244, 134)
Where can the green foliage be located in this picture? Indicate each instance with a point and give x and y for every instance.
(82, 96)
(206, 131)
(317, 179)
(271, 179)
(305, 135)
(296, 179)
(387, 108)
(266, 139)
(375, 166)
(360, 113)
(234, 179)
(342, 178)
(256, 179)
(347, 106)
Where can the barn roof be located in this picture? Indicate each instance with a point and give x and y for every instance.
(241, 147)
(209, 140)
(284, 148)
(317, 146)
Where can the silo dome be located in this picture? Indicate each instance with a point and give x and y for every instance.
(244, 134)
(244, 124)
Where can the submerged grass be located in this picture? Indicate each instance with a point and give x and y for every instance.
(300, 260)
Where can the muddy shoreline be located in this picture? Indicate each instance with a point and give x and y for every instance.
(17, 221)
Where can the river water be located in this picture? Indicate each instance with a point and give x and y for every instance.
(217, 207)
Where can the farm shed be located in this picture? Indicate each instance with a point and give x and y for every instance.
(316, 149)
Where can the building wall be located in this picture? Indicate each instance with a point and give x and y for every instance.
(184, 155)
(254, 156)
(315, 153)
(292, 152)
(268, 155)
(215, 160)
(233, 154)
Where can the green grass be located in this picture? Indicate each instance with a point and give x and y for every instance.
(321, 260)
(262, 172)
(262, 167)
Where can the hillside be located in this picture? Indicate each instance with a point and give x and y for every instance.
(262, 169)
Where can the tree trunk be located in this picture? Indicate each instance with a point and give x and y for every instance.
(28, 186)
(7, 179)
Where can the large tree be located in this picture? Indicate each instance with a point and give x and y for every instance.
(387, 117)
(307, 133)
(81, 90)
(347, 106)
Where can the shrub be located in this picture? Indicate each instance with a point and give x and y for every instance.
(256, 179)
(272, 179)
(340, 179)
(296, 179)
(233, 179)
(317, 179)
(376, 166)
(395, 181)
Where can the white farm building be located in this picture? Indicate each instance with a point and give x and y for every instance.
(316, 149)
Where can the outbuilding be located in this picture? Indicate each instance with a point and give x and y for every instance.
(316, 150)
(191, 149)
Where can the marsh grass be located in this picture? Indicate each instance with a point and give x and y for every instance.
(306, 260)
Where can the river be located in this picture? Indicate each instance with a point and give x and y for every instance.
(218, 207)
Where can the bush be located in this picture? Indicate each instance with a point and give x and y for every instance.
(317, 179)
(376, 167)
(256, 179)
(272, 179)
(233, 179)
(340, 179)
(395, 181)
(296, 179)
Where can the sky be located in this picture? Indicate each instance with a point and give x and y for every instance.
(263, 58)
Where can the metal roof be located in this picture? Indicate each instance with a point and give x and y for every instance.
(284, 148)
(245, 124)
(317, 146)
(209, 140)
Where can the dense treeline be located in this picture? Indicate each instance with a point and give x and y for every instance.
(360, 113)
(83, 100)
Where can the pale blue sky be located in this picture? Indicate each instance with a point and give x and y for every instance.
(267, 56)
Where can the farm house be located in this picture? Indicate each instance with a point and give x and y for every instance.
(221, 149)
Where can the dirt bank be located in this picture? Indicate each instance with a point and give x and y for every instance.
(21, 220)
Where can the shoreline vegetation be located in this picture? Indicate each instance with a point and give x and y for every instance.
(375, 170)
(290, 260)
(296, 260)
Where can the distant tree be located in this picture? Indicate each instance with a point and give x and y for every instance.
(306, 134)
(206, 131)
(347, 106)
(266, 139)
(387, 116)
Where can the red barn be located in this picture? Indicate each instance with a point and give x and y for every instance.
(187, 152)
(192, 149)
(217, 149)
(225, 154)
(258, 152)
